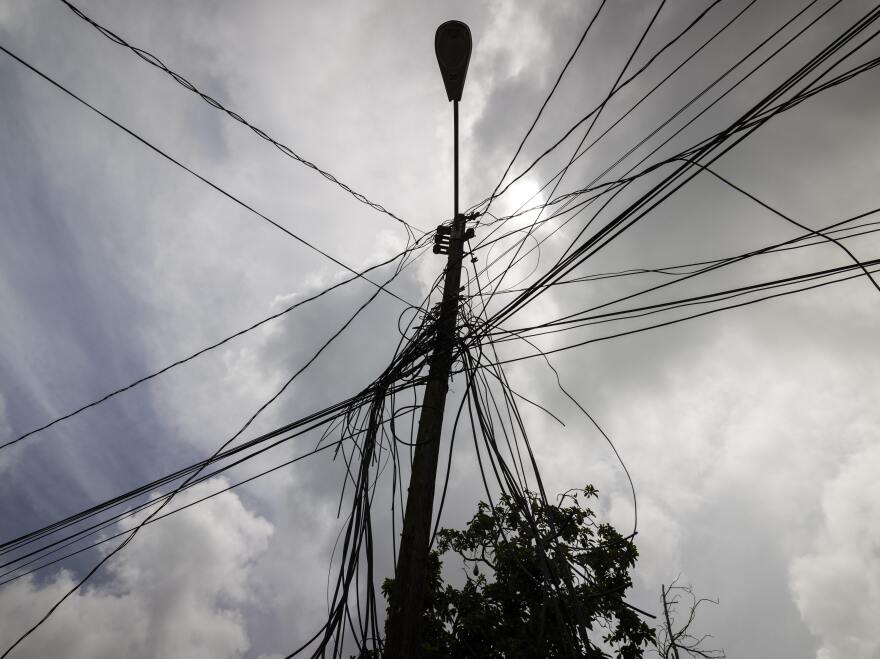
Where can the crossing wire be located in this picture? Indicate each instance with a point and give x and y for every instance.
(482, 408)
(737, 132)
(195, 473)
(153, 60)
(203, 179)
(198, 353)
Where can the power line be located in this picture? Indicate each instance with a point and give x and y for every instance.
(785, 217)
(717, 80)
(309, 422)
(826, 234)
(738, 131)
(240, 454)
(543, 105)
(676, 270)
(357, 274)
(97, 528)
(618, 183)
(154, 61)
(595, 110)
(495, 421)
(581, 319)
(190, 478)
(595, 118)
(570, 196)
(645, 96)
(400, 375)
(194, 355)
(213, 185)
(677, 321)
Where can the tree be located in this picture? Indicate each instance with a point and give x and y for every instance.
(542, 580)
(675, 643)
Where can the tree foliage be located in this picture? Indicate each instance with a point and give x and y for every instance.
(541, 580)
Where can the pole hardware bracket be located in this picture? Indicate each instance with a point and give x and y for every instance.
(441, 239)
(445, 234)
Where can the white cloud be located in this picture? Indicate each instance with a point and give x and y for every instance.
(837, 584)
(176, 591)
(11, 17)
(729, 439)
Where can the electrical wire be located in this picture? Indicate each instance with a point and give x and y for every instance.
(154, 61)
(198, 353)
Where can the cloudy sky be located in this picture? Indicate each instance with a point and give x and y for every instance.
(750, 435)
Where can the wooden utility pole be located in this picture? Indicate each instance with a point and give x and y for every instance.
(404, 634)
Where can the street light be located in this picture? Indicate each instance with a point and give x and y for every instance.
(452, 44)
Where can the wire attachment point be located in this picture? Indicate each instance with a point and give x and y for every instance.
(441, 239)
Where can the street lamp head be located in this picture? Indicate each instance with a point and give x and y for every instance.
(452, 43)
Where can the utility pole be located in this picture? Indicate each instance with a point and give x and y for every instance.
(452, 44)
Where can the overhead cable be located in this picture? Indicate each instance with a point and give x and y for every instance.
(153, 60)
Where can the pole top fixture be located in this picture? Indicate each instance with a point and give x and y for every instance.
(452, 44)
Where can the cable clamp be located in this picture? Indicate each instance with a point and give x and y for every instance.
(441, 239)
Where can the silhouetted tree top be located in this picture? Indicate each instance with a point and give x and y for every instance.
(541, 580)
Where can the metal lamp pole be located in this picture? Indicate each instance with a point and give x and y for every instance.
(452, 44)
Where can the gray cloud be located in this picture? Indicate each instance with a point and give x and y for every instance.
(748, 433)
(178, 591)
(835, 582)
